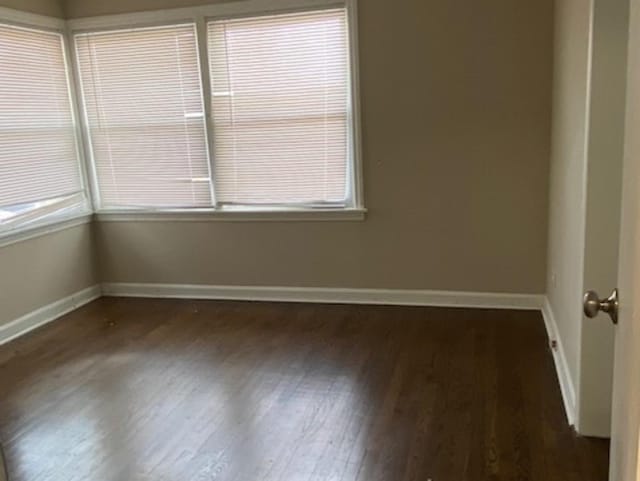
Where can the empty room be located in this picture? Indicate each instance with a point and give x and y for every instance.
(319, 240)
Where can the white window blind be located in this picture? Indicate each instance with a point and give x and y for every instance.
(39, 167)
(143, 101)
(280, 104)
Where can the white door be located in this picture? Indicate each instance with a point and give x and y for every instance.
(626, 388)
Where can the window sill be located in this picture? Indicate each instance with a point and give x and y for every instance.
(44, 227)
(208, 215)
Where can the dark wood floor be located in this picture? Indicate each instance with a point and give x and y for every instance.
(134, 390)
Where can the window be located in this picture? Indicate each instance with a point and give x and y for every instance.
(280, 108)
(40, 175)
(267, 124)
(145, 117)
(238, 110)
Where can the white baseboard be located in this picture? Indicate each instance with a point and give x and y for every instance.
(48, 313)
(567, 386)
(328, 295)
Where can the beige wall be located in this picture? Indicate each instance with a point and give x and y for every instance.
(87, 8)
(43, 7)
(456, 121)
(45, 269)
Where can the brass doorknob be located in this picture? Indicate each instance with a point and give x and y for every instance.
(593, 304)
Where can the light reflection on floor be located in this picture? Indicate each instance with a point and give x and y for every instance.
(126, 411)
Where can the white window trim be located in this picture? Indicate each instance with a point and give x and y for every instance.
(234, 215)
(200, 16)
(84, 213)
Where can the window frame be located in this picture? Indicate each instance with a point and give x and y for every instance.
(82, 211)
(90, 209)
(200, 17)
